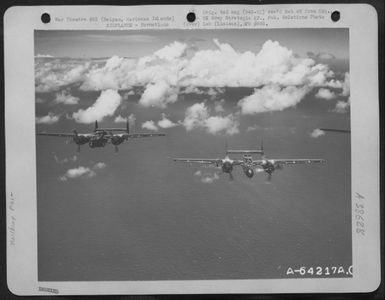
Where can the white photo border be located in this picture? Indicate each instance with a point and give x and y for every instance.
(19, 26)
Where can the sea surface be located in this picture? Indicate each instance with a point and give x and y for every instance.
(145, 217)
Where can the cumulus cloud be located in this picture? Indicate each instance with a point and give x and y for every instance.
(77, 172)
(217, 124)
(317, 133)
(197, 116)
(105, 105)
(325, 94)
(342, 107)
(158, 94)
(166, 123)
(272, 98)
(116, 74)
(150, 125)
(219, 106)
(84, 172)
(206, 177)
(131, 119)
(66, 98)
(120, 119)
(49, 119)
(100, 165)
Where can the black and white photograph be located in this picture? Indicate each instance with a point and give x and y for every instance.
(173, 155)
(203, 149)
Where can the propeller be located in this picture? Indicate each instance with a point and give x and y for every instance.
(269, 177)
(231, 177)
(78, 149)
(116, 149)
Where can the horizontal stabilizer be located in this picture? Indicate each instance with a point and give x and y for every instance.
(244, 151)
(111, 129)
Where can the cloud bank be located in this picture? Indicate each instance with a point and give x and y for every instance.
(178, 68)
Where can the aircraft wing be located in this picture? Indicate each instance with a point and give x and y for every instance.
(142, 135)
(56, 134)
(281, 161)
(199, 160)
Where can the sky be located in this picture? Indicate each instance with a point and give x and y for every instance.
(101, 43)
(136, 214)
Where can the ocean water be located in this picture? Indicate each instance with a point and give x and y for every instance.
(145, 217)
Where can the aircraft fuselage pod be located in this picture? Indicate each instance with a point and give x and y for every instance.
(247, 165)
(98, 141)
(268, 166)
(227, 165)
(117, 140)
(249, 172)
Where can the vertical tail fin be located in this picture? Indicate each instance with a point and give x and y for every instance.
(96, 125)
(128, 126)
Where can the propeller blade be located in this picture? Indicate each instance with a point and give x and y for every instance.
(78, 149)
(231, 177)
(116, 149)
(269, 177)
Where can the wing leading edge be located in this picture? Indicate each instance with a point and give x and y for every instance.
(57, 134)
(290, 161)
(199, 160)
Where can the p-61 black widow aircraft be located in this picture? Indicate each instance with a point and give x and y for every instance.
(101, 136)
(247, 162)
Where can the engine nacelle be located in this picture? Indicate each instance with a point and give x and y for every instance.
(268, 166)
(81, 140)
(117, 140)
